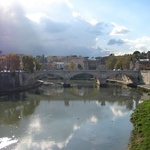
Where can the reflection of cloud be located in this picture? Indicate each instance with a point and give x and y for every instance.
(6, 142)
(35, 125)
(98, 103)
(93, 119)
(76, 127)
(118, 111)
(30, 143)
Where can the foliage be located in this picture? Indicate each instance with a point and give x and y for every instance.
(80, 67)
(72, 66)
(111, 61)
(136, 53)
(141, 133)
(28, 63)
(118, 64)
(38, 64)
(139, 55)
(10, 62)
(126, 62)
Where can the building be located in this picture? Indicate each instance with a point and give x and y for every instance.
(64, 62)
(148, 55)
(144, 64)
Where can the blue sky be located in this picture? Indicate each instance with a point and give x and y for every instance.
(74, 27)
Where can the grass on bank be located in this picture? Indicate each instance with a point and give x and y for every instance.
(140, 139)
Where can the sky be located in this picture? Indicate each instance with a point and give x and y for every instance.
(89, 28)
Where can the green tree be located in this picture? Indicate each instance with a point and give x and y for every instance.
(38, 64)
(136, 55)
(110, 62)
(118, 64)
(28, 63)
(71, 66)
(126, 61)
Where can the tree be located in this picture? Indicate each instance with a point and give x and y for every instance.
(112, 54)
(80, 67)
(12, 62)
(71, 66)
(110, 62)
(38, 64)
(3, 63)
(118, 64)
(126, 61)
(28, 63)
(136, 55)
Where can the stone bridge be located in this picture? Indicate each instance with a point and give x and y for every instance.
(102, 76)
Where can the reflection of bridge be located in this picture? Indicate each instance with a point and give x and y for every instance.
(101, 75)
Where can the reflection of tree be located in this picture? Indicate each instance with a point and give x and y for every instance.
(66, 102)
(12, 111)
(84, 92)
(121, 94)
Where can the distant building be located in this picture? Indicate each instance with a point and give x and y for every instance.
(148, 55)
(63, 62)
(59, 65)
(144, 64)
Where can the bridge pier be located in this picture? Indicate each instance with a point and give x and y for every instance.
(97, 82)
(66, 82)
(103, 82)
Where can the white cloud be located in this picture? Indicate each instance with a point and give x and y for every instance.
(140, 40)
(49, 28)
(140, 44)
(92, 21)
(36, 17)
(75, 14)
(119, 30)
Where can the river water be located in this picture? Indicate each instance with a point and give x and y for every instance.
(82, 117)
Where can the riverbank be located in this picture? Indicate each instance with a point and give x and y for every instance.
(144, 87)
(140, 139)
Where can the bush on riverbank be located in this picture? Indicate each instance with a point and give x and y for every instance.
(140, 139)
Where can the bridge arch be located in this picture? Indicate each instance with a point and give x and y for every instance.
(132, 76)
(83, 74)
(101, 75)
(46, 74)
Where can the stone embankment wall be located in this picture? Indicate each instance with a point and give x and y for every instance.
(11, 80)
(145, 75)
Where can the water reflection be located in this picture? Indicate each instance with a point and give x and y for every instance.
(80, 117)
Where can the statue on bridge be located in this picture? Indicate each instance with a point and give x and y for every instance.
(131, 65)
(137, 66)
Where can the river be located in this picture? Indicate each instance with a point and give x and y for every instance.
(83, 117)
